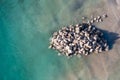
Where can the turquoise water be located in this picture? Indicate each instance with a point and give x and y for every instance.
(25, 28)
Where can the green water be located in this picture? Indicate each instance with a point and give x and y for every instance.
(25, 28)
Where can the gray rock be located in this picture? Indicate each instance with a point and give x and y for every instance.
(81, 39)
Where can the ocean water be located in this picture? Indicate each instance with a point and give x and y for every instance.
(25, 29)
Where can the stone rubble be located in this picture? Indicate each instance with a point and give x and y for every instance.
(80, 39)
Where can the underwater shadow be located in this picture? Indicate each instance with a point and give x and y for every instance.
(111, 37)
(77, 4)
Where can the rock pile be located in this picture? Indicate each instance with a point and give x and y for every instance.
(81, 39)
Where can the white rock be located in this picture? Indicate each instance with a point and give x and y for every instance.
(104, 15)
(77, 25)
(86, 53)
(100, 20)
(98, 17)
(107, 48)
(91, 50)
(95, 19)
(83, 18)
(100, 49)
(50, 46)
(77, 29)
(92, 21)
(59, 54)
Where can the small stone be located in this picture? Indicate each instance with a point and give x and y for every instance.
(59, 54)
(86, 53)
(100, 20)
(95, 19)
(91, 50)
(83, 52)
(77, 29)
(77, 25)
(88, 22)
(50, 46)
(100, 49)
(107, 48)
(92, 21)
(55, 33)
(83, 18)
(98, 17)
(104, 16)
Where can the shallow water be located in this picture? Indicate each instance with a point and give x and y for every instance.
(25, 29)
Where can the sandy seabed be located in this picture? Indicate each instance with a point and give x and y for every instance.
(105, 66)
(27, 25)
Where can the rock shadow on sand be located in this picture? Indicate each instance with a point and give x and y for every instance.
(111, 37)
